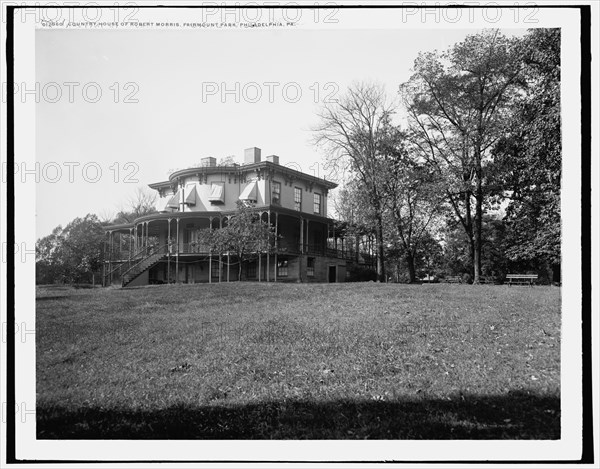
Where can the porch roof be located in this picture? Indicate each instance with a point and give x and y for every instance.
(222, 214)
(124, 227)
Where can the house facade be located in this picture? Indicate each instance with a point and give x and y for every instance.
(165, 247)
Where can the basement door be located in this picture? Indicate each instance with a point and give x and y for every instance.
(332, 274)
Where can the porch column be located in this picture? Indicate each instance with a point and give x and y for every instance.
(220, 253)
(147, 233)
(276, 244)
(210, 219)
(169, 250)
(268, 242)
(177, 254)
(259, 268)
(110, 258)
(301, 235)
(130, 242)
(334, 238)
(307, 237)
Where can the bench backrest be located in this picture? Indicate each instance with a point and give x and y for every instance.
(527, 276)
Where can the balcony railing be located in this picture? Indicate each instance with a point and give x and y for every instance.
(191, 248)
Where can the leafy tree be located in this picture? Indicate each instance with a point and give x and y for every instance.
(245, 235)
(412, 200)
(227, 161)
(48, 265)
(71, 254)
(356, 219)
(457, 103)
(528, 158)
(353, 131)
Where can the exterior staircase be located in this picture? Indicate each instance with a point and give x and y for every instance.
(141, 266)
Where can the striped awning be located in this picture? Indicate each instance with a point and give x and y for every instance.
(217, 193)
(191, 196)
(174, 201)
(250, 192)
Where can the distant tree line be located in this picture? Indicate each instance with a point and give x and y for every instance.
(469, 182)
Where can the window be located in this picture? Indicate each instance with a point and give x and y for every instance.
(251, 270)
(310, 266)
(317, 203)
(282, 268)
(276, 195)
(297, 199)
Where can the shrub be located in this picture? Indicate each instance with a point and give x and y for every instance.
(358, 273)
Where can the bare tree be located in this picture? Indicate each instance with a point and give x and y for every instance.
(106, 216)
(353, 132)
(141, 203)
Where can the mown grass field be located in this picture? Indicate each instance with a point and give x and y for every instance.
(280, 361)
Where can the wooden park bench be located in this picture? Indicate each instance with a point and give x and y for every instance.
(521, 279)
(453, 279)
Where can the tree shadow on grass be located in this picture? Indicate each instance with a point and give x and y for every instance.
(516, 415)
(46, 298)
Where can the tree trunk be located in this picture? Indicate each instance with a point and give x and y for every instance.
(410, 261)
(477, 242)
(380, 264)
(478, 217)
(469, 231)
(472, 255)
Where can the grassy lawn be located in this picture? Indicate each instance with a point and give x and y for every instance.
(249, 360)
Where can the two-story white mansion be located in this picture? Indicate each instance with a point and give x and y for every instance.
(163, 247)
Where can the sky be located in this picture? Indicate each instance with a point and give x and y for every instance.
(171, 97)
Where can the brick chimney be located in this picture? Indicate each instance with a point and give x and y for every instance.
(209, 161)
(251, 155)
(273, 159)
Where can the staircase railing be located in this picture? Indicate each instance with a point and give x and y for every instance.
(148, 252)
(124, 265)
